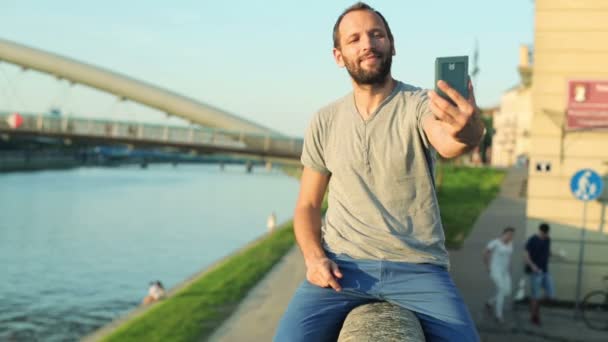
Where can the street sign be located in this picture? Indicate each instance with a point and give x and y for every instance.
(586, 185)
(587, 104)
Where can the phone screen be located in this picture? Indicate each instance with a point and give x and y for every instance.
(454, 71)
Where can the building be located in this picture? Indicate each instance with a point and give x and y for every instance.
(570, 44)
(511, 123)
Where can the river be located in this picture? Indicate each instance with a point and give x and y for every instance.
(79, 247)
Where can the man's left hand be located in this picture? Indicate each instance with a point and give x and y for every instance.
(461, 121)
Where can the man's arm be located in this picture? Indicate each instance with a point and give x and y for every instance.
(320, 270)
(453, 130)
(530, 263)
(486, 258)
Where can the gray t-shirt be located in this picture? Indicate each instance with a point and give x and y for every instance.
(382, 201)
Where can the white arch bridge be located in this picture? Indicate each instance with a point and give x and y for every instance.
(219, 131)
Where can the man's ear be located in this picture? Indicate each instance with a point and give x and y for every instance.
(338, 57)
(393, 49)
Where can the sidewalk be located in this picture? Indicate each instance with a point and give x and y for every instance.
(257, 316)
(509, 209)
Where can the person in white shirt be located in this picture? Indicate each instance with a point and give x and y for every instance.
(156, 292)
(497, 258)
(271, 222)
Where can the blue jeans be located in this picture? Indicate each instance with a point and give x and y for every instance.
(317, 314)
(541, 280)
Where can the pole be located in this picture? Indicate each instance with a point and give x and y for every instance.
(581, 256)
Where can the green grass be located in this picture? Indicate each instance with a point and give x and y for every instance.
(464, 192)
(193, 313)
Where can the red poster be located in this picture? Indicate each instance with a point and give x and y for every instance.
(587, 104)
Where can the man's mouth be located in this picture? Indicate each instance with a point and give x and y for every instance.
(372, 57)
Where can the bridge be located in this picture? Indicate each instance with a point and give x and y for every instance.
(217, 131)
(199, 139)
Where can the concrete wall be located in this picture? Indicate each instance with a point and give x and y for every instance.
(570, 43)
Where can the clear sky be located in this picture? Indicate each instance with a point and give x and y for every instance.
(267, 61)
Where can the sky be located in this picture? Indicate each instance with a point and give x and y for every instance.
(267, 61)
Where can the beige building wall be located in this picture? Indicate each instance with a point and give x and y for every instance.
(571, 42)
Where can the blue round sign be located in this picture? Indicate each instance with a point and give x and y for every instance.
(586, 185)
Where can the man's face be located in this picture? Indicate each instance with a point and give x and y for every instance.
(365, 49)
(508, 236)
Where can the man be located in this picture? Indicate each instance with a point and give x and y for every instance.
(382, 238)
(497, 258)
(536, 257)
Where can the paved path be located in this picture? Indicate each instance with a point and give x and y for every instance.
(257, 317)
(507, 209)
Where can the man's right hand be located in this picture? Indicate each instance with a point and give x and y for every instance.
(323, 272)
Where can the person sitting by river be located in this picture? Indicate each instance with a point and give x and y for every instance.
(156, 292)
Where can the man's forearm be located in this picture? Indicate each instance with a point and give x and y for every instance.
(307, 229)
(486, 258)
(469, 138)
(529, 261)
(450, 144)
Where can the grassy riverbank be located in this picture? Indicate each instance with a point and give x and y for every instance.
(464, 193)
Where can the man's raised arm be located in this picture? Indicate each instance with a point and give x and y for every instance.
(453, 130)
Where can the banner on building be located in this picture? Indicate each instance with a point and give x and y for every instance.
(587, 104)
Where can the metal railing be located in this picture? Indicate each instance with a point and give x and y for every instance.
(143, 133)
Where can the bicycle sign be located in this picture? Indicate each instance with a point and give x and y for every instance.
(586, 185)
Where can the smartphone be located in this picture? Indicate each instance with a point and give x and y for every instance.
(454, 71)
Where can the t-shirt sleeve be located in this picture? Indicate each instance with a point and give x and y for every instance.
(492, 244)
(423, 111)
(313, 151)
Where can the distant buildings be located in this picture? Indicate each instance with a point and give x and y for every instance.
(511, 141)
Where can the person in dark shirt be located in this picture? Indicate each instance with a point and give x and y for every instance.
(536, 256)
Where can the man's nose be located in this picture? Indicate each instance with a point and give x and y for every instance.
(367, 42)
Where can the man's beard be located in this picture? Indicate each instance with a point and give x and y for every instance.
(376, 76)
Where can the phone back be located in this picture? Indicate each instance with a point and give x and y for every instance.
(454, 71)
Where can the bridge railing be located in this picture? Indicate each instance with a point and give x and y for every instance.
(135, 131)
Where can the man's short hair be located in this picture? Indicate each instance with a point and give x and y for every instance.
(544, 228)
(508, 229)
(359, 6)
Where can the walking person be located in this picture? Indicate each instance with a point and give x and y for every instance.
(536, 257)
(497, 259)
(382, 237)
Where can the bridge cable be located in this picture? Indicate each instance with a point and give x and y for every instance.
(11, 86)
(63, 97)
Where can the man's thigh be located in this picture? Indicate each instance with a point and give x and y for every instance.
(502, 280)
(429, 291)
(317, 314)
(536, 280)
(547, 283)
